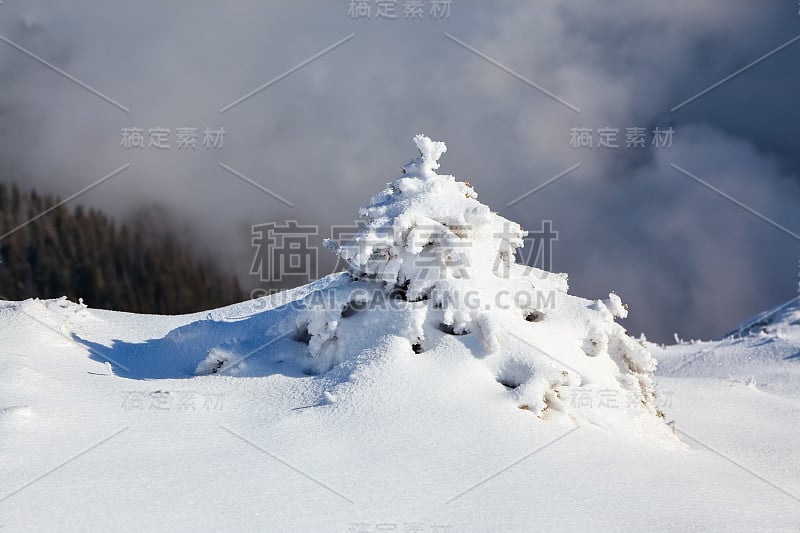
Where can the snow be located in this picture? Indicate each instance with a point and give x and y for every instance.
(446, 264)
(412, 393)
(763, 353)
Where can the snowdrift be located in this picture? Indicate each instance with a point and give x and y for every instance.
(434, 270)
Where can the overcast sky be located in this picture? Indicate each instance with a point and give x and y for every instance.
(504, 84)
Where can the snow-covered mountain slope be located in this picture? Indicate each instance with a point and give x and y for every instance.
(417, 392)
(763, 353)
(738, 398)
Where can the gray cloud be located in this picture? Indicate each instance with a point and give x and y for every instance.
(331, 134)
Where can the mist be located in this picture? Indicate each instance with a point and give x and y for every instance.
(328, 135)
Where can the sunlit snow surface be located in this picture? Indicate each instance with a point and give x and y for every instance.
(403, 437)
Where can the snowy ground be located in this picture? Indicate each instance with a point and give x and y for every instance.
(409, 443)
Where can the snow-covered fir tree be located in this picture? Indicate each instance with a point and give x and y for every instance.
(432, 275)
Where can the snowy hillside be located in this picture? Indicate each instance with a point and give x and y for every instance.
(435, 386)
(763, 353)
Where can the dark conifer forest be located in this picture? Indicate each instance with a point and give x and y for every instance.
(82, 253)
